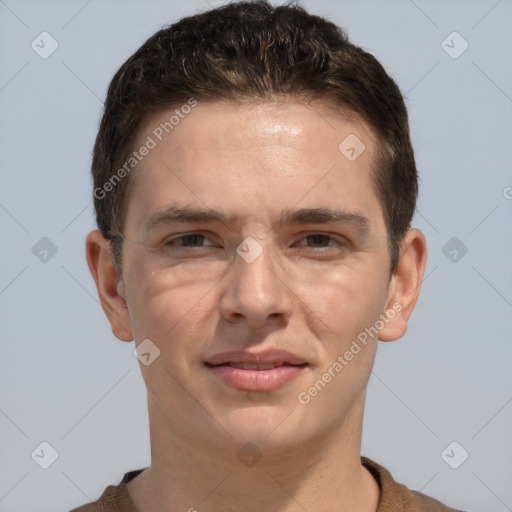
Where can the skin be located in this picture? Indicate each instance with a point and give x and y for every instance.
(309, 295)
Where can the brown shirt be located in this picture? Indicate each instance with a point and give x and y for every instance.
(394, 497)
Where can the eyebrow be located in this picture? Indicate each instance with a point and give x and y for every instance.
(176, 214)
(325, 216)
(188, 214)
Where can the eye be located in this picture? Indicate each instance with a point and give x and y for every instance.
(189, 240)
(320, 241)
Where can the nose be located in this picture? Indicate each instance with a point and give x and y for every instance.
(257, 294)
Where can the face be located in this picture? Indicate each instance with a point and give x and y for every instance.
(255, 261)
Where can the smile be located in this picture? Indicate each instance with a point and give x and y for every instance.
(264, 371)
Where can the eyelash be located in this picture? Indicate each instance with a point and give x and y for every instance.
(171, 242)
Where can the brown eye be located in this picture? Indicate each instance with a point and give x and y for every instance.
(189, 240)
(321, 240)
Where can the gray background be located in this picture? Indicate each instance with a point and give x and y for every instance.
(67, 381)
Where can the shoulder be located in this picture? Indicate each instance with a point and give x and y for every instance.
(115, 498)
(396, 497)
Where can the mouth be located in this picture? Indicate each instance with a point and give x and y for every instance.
(264, 371)
(256, 366)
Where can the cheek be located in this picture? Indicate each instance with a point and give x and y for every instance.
(342, 301)
(168, 306)
(343, 307)
(177, 319)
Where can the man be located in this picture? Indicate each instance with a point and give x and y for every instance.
(254, 184)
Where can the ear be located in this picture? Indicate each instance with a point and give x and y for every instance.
(405, 285)
(109, 284)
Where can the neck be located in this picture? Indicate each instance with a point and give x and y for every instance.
(323, 475)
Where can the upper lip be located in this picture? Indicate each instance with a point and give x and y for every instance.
(272, 356)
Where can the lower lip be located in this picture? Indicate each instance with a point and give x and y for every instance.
(257, 380)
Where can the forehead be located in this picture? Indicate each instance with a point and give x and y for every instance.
(275, 122)
(268, 151)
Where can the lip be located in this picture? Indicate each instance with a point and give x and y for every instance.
(256, 379)
(263, 357)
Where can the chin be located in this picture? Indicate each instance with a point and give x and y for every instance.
(267, 427)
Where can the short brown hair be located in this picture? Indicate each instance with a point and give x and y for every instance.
(251, 50)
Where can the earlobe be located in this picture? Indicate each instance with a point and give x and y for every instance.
(109, 284)
(405, 285)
